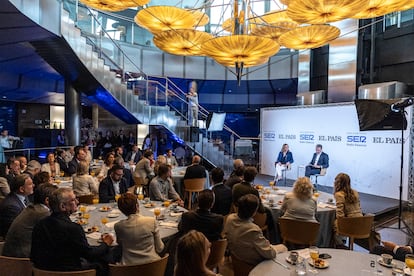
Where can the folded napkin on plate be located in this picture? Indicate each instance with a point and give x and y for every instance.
(324, 205)
(90, 208)
(173, 214)
(94, 235)
(304, 253)
(170, 224)
(111, 224)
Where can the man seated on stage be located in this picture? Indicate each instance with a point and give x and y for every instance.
(59, 244)
(320, 160)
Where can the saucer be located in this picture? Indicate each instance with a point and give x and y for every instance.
(381, 262)
(300, 259)
(319, 263)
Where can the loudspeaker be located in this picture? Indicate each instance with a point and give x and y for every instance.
(377, 115)
(194, 134)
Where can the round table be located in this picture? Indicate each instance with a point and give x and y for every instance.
(325, 214)
(167, 226)
(343, 262)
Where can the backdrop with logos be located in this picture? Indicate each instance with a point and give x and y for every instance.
(371, 158)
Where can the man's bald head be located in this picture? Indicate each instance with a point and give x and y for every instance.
(238, 163)
(196, 159)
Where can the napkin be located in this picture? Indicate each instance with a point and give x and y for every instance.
(173, 214)
(90, 208)
(161, 208)
(94, 235)
(169, 224)
(304, 253)
(111, 224)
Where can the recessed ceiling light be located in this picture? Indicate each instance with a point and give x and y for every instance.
(4, 97)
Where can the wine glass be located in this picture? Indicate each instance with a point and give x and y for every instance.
(140, 196)
(104, 221)
(314, 254)
(62, 173)
(157, 212)
(409, 261)
(166, 203)
(271, 184)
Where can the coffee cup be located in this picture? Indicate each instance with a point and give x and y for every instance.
(294, 257)
(386, 259)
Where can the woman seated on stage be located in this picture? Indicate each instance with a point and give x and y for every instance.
(299, 204)
(192, 254)
(347, 201)
(284, 159)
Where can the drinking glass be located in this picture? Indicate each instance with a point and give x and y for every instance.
(140, 196)
(271, 184)
(166, 203)
(104, 221)
(95, 200)
(82, 208)
(157, 212)
(314, 254)
(62, 174)
(409, 262)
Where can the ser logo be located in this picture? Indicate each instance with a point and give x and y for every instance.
(307, 137)
(356, 139)
(269, 136)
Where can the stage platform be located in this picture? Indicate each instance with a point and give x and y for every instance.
(381, 207)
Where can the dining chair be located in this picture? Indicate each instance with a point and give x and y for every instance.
(240, 268)
(194, 185)
(217, 250)
(140, 186)
(355, 228)
(298, 232)
(260, 219)
(321, 173)
(156, 268)
(15, 266)
(86, 199)
(41, 272)
(1, 247)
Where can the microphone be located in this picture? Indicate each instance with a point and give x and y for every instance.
(398, 106)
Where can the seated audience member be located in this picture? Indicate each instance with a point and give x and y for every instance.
(14, 167)
(4, 183)
(88, 154)
(58, 244)
(320, 160)
(192, 253)
(245, 238)
(145, 167)
(160, 160)
(161, 187)
(119, 152)
(134, 155)
(52, 167)
(83, 183)
(170, 158)
(127, 172)
(397, 251)
(80, 155)
(113, 184)
(69, 154)
(236, 178)
(107, 165)
(14, 203)
(299, 204)
(60, 159)
(33, 168)
(246, 187)
(222, 193)
(137, 235)
(23, 163)
(195, 170)
(237, 163)
(202, 219)
(42, 177)
(19, 238)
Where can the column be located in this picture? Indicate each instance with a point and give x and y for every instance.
(72, 115)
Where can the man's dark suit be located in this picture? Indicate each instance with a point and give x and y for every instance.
(223, 199)
(58, 244)
(63, 165)
(323, 161)
(10, 208)
(107, 191)
(128, 178)
(245, 188)
(137, 157)
(210, 224)
(72, 166)
(19, 239)
(195, 171)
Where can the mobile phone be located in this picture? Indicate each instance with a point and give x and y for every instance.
(325, 256)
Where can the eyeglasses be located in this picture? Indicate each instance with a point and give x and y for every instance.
(119, 174)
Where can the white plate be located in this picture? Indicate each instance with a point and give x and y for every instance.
(107, 209)
(386, 265)
(113, 215)
(300, 259)
(326, 264)
(281, 192)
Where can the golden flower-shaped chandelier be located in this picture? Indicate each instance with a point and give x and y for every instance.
(111, 5)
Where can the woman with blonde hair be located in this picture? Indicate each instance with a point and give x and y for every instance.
(299, 204)
(193, 250)
(83, 183)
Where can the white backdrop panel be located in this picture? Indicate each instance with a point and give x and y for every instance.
(371, 158)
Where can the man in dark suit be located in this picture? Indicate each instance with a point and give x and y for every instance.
(112, 185)
(133, 156)
(60, 158)
(14, 203)
(195, 170)
(320, 160)
(208, 223)
(19, 238)
(80, 155)
(129, 180)
(58, 244)
(246, 187)
(222, 193)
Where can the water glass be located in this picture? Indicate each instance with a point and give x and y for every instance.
(300, 268)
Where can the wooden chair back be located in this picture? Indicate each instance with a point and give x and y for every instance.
(15, 266)
(156, 268)
(1, 247)
(298, 231)
(41, 272)
(86, 199)
(217, 250)
(355, 228)
(194, 185)
(240, 268)
(260, 219)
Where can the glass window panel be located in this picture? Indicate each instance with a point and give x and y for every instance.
(407, 15)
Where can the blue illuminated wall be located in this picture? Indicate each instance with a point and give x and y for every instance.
(8, 117)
